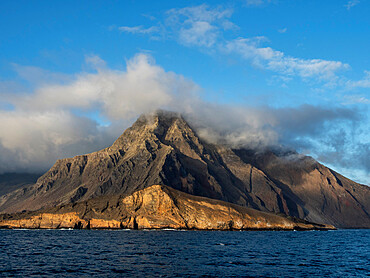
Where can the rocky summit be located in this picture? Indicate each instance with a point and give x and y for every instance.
(162, 149)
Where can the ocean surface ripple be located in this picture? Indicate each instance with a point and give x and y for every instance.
(116, 253)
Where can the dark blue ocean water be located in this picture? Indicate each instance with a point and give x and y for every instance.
(67, 253)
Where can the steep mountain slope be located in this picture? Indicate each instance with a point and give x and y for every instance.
(325, 194)
(163, 149)
(155, 207)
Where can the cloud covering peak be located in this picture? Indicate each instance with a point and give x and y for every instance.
(91, 109)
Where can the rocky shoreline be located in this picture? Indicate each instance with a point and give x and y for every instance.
(155, 207)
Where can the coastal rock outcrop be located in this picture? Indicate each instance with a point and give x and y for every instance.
(156, 207)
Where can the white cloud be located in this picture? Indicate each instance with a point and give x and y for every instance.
(200, 13)
(95, 62)
(138, 29)
(362, 83)
(118, 94)
(277, 61)
(35, 75)
(49, 123)
(257, 2)
(355, 99)
(200, 33)
(32, 141)
(282, 30)
(350, 4)
(199, 25)
(204, 27)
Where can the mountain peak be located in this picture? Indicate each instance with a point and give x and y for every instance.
(161, 148)
(159, 117)
(170, 129)
(161, 125)
(150, 126)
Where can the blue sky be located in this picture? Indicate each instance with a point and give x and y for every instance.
(74, 74)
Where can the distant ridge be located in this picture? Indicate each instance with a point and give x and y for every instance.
(161, 148)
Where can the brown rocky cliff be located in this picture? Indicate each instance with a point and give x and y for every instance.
(156, 207)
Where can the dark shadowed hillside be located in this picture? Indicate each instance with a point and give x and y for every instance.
(12, 181)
